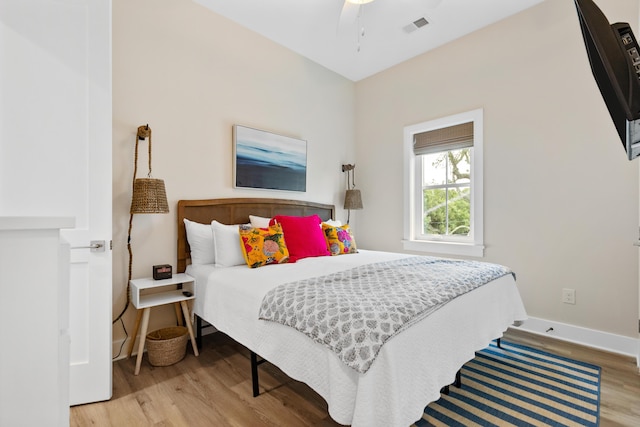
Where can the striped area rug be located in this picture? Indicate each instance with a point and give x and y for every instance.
(520, 386)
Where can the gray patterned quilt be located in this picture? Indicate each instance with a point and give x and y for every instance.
(354, 312)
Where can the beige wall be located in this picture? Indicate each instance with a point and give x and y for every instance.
(191, 74)
(561, 200)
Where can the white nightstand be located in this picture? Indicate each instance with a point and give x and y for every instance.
(147, 293)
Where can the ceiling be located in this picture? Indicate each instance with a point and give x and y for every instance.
(329, 32)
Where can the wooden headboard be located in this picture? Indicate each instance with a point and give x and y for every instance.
(237, 211)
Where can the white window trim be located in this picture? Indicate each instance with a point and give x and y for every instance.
(476, 247)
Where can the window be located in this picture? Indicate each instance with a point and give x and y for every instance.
(443, 185)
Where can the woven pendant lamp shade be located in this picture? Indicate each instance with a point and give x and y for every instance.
(149, 196)
(353, 199)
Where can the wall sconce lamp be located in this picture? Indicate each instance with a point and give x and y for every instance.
(148, 197)
(352, 198)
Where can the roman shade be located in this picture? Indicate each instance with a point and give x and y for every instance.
(443, 139)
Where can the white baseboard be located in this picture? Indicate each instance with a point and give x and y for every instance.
(588, 337)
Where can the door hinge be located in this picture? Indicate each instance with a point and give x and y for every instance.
(110, 245)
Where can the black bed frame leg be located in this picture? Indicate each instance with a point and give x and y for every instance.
(254, 358)
(254, 374)
(199, 332)
(457, 383)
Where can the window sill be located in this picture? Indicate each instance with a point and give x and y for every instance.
(444, 248)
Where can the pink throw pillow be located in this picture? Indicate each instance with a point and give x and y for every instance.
(303, 235)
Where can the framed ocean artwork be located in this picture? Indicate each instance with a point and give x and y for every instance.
(268, 161)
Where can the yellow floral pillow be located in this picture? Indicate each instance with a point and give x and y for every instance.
(263, 246)
(339, 239)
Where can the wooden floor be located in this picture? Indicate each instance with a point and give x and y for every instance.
(214, 389)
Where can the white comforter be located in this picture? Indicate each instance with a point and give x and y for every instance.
(410, 369)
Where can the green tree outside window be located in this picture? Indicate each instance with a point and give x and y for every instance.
(446, 193)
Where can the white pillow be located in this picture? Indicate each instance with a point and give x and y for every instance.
(333, 223)
(200, 238)
(226, 241)
(259, 221)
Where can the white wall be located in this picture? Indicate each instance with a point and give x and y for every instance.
(191, 75)
(561, 200)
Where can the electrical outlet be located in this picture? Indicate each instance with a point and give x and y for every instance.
(568, 296)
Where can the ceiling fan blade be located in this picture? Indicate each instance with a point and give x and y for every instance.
(348, 15)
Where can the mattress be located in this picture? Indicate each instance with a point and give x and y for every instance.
(411, 367)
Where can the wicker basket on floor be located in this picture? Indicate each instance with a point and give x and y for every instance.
(167, 346)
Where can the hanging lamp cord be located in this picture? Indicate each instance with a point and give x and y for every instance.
(353, 176)
(144, 132)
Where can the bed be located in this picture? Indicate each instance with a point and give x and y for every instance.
(410, 368)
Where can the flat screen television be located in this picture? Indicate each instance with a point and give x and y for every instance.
(614, 56)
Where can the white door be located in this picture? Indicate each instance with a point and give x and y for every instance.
(55, 155)
(90, 287)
